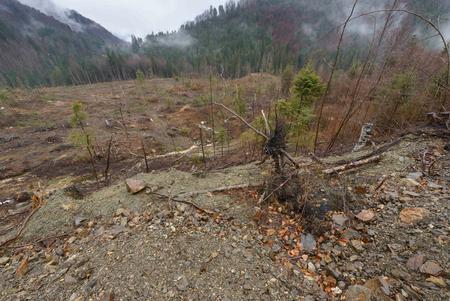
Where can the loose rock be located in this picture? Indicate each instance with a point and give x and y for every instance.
(358, 293)
(79, 221)
(366, 215)
(439, 281)
(430, 268)
(4, 261)
(134, 186)
(308, 242)
(414, 175)
(413, 215)
(339, 219)
(182, 283)
(415, 262)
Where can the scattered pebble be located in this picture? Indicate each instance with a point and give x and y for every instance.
(4, 260)
(431, 268)
(366, 215)
(182, 283)
(413, 215)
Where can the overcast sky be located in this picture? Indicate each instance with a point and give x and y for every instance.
(139, 17)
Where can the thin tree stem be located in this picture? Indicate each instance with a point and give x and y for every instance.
(327, 90)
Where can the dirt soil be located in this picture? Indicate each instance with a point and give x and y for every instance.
(36, 148)
(383, 235)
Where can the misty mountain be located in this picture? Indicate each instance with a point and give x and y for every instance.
(266, 35)
(36, 48)
(52, 46)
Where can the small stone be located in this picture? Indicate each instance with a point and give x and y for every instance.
(182, 208)
(430, 268)
(83, 273)
(276, 248)
(115, 230)
(75, 297)
(413, 215)
(122, 212)
(70, 279)
(342, 285)
(353, 258)
(358, 293)
(308, 242)
(366, 215)
(134, 186)
(90, 285)
(72, 240)
(414, 175)
(358, 245)
(311, 267)
(398, 273)
(4, 261)
(379, 288)
(411, 193)
(79, 221)
(415, 262)
(439, 281)
(247, 287)
(108, 296)
(295, 292)
(434, 185)
(411, 182)
(339, 219)
(60, 251)
(182, 283)
(123, 221)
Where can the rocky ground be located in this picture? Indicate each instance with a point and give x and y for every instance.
(379, 232)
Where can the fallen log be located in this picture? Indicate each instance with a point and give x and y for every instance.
(178, 153)
(351, 165)
(185, 195)
(182, 197)
(172, 199)
(376, 152)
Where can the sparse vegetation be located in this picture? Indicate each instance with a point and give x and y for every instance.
(80, 135)
(140, 77)
(286, 80)
(298, 110)
(6, 99)
(239, 104)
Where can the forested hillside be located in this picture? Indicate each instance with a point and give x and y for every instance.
(266, 35)
(232, 40)
(36, 49)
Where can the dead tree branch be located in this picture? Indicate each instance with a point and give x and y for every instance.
(210, 213)
(354, 164)
(124, 125)
(327, 89)
(17, 235)
(424, 19)
(219, 189)
(275, 144)
(243, 120)
(145, 156)
(106, 174)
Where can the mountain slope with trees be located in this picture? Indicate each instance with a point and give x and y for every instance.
(267, 35)
(232, 40)
(37, 49)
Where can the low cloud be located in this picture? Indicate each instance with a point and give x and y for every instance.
(178, 39)
(49, 8)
